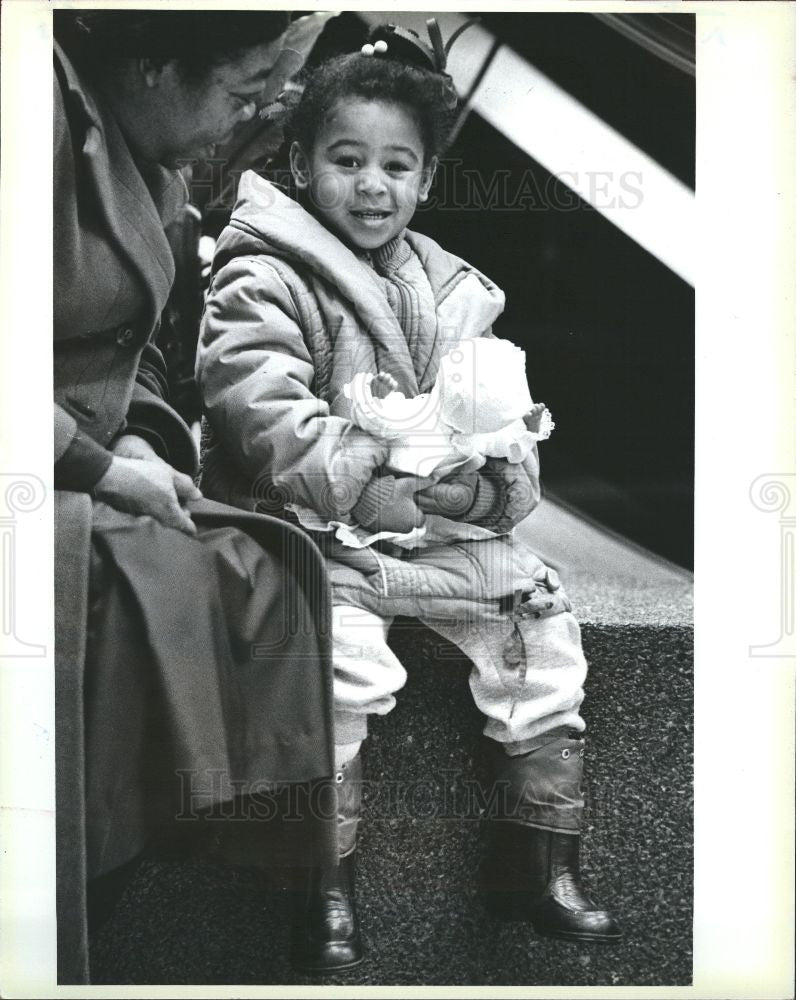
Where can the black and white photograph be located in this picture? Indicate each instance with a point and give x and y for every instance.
(405, 397)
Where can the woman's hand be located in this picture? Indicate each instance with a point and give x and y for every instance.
(139, 482)
(133, 446)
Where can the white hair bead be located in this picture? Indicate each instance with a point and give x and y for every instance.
(380, 46)
(368, 49)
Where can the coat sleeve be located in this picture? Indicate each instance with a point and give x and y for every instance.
(80, 462)
(151, 417)
(512, 492)
(256, 377)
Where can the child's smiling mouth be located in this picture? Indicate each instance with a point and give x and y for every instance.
(370, 215)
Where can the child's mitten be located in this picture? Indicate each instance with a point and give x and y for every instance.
(497, 496)
(516, 493)
(452, 497)
(466, 497)
(387, 504)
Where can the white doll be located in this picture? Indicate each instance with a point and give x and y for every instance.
(479, 406)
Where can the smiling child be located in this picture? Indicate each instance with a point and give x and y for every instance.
(306, 293)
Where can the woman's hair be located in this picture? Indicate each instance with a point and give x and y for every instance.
(375, 78)
(197, 40)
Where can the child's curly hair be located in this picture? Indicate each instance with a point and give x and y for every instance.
(374, 78)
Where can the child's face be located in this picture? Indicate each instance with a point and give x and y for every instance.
(366, 171)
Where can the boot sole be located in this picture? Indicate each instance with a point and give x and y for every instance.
(326, 970)
(574, 936)
(509, 912)
(560, 935)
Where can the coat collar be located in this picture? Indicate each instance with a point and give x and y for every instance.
(135, 223)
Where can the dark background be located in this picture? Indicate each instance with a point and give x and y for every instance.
(607, 328)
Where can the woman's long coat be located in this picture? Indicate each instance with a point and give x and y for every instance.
(202, 656)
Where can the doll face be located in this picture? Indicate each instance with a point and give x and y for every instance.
(366, 171)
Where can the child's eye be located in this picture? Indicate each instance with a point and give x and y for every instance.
(347, 161)
(397, 167)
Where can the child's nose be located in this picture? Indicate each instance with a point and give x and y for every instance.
(370, 180)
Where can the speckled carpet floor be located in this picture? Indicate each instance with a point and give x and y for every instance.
(204, 923)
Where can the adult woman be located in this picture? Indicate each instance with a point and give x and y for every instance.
(204, 669)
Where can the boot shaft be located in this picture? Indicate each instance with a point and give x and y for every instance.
(526, 859)
(348, 785)
(542, 788)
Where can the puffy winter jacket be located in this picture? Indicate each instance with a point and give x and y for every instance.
(292, 314)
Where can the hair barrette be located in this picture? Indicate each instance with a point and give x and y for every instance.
(378, 47)
(404, 43)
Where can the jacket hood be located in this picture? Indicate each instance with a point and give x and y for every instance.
(265, 220)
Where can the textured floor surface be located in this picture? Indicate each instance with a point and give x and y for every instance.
(208, 923)
(204, 923)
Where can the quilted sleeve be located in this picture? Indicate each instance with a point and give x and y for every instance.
(255, 375)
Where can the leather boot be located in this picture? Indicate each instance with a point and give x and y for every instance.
(532, 869)
(327, 935)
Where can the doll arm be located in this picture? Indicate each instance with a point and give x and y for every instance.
(366, 391)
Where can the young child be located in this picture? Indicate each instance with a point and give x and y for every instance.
(307, 293)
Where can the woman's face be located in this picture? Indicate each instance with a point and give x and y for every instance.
(366, 171)
(190, 117)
